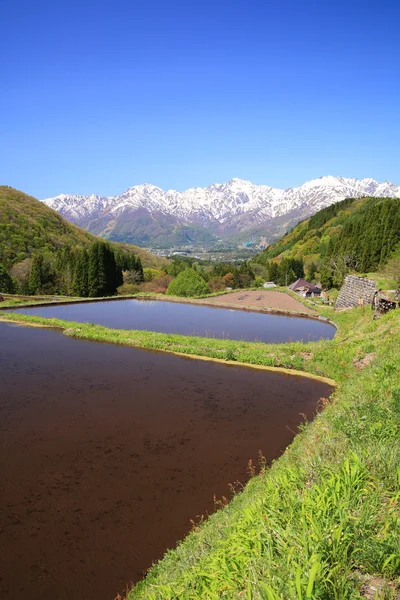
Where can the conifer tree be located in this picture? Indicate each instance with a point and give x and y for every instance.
(94, 285)
(139, 269)
(273, 272)
(6, 282)
(36, 275)
(80, 285)
(103, 274)
(312, 271)
(65, 270)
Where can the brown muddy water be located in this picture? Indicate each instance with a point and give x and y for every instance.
(108, 452)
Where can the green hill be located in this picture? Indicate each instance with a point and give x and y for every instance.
(27, 226)
(41, 253)
(357, 234)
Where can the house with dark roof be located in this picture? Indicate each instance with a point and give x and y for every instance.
(305, 288)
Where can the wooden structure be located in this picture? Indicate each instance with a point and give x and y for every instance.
(305, 288)
(381, 304)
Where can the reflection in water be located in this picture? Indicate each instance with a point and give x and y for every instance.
(188, 319)
(107, 452)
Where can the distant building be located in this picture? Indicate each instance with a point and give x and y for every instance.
(269, 284)
(305, 288)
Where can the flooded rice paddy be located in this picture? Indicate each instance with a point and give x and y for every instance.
(189, 319)
(108, 452)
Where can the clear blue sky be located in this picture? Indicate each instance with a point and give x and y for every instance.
(97, 96)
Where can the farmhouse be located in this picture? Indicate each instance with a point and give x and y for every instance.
(305, 288)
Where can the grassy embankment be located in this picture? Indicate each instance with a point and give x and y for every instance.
(325, 517)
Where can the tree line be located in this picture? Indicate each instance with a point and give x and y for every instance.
(283, 273)
(355, 235)
(94, 272)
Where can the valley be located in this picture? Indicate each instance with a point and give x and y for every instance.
(129, 406)
(237, 211)
(200, 300)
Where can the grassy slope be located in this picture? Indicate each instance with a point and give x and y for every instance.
(326, 514)
(26, 225)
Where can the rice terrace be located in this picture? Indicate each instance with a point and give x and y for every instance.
(124, 431)
(200, 300)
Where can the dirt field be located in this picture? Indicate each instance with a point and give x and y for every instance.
(260, 299)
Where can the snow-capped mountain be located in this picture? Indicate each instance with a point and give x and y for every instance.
(146, 214)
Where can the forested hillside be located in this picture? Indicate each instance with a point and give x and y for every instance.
(359, 235)
(40, 252)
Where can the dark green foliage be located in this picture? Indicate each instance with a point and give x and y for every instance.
(355, 235)
(188, 283)
(242, 276)
(139, 269)
(132, 268)
(285, 272)
(370, 236)
(77, 272)
(177, 266)
(326, 278)
(65, 266)
(103, 273)
(80, 282)
(6, 283)
(36, 276)
(273, 272)
(312, 271)
(245, 276)
(326, 214)
(286, 275)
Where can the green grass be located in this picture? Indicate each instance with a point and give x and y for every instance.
(326, 514)
(15, 303)
(383, 283)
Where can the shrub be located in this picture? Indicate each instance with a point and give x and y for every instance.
(151, 274)
(159, 285)
(229, 280)
(188, 283)
(216, 284)
(128, 289)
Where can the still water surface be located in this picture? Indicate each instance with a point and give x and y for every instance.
(108, 452)
(189, 319)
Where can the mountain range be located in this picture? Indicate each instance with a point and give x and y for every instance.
(237, 210)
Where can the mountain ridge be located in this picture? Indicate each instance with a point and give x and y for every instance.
(220, 210)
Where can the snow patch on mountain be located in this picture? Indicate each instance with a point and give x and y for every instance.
(221, 204)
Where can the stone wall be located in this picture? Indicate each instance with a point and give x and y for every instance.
(354, 289)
